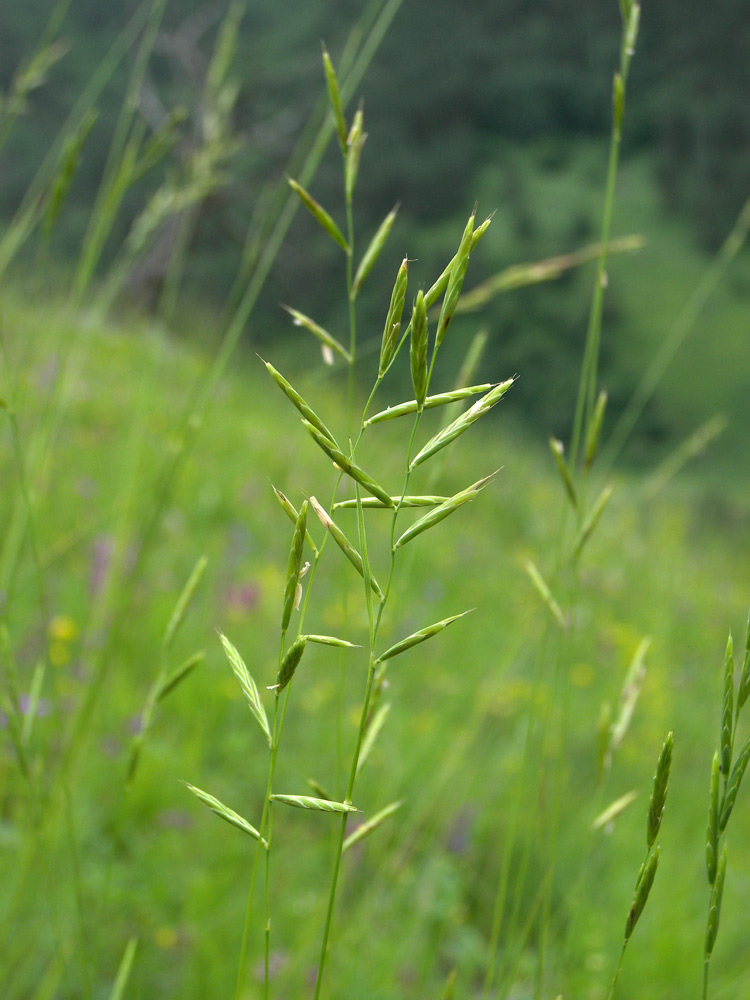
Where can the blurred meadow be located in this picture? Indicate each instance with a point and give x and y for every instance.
(148, 237)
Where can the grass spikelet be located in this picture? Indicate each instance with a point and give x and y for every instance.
(294, 566)
(319, 214)
(374, 249)
(179, 674)
(416, 637)
(288, 507)
(712, 832)
(744, 688)
(354, 143)
(345, 545)
(462, 423)
(455, 281)
(248, 686)
(441, 399)
(334, 99)
(727, 717)
(418, 351)
(733, 786)
(372, 503)
(714, 909)
(320, 805)
(558, 453)
(442, 511)
(294, 397)
(346, 465)
(332, 640)
(642, 889)
(327, 339)
(183, 602)
(659, 793)
(227, 814)
(595, 429)
(438, 288)
(372, 824)
(393, 319)
(542, 588)
(289, 664)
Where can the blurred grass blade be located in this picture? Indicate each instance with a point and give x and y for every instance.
(35, 692)
(610, 814)
(522, 275)
(371, 824)
(323, 336)
(372, 732)
(592, 519)
(631, 690)
(123, 972)
(248, 686)
(63, 179)
(225, 813)
(542, 588)
(179, 674)
(691, 448)
(183, 602)
(558, 453)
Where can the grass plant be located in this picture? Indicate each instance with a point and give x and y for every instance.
(456, 760)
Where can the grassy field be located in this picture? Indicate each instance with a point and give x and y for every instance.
(539, 649)
(487, 723)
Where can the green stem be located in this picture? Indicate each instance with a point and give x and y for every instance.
(617, 970)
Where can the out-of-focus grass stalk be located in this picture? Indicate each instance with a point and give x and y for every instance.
(674, 339)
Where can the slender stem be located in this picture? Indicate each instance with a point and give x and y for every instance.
(617, 970)
(351, 296)
(587, 385)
